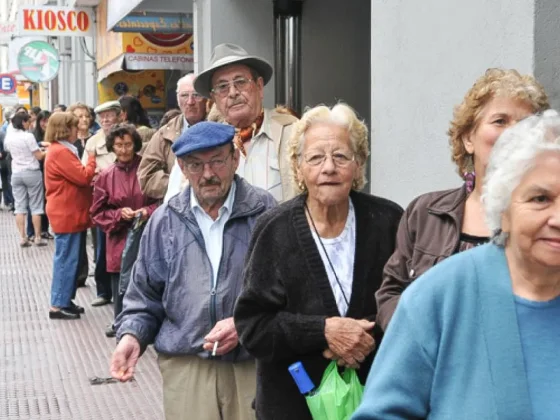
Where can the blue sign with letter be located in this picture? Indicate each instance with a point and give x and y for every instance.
(8, 84)
(176, 24)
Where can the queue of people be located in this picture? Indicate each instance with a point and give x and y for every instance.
(323, 272)
(260, 248)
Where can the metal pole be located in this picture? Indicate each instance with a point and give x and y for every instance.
(279, 60)
(287, 52)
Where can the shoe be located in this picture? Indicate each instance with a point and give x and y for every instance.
(31, 238)
(46, 235)
(63, 314)
(110, 331)
(39, 243)
(25, 243)
(75, 309)
(100, 301)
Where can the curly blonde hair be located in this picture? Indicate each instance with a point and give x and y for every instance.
(341, 115)
(494, 83)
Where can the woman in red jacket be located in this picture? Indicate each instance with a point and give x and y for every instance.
(67, 183)
(117, 199)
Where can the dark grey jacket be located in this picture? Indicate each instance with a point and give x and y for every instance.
(170, 301)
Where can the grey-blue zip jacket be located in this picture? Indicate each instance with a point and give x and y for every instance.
(170, 300)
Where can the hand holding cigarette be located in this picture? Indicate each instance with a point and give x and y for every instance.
(222, 338)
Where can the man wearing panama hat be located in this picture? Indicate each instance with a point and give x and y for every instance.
(235, 81)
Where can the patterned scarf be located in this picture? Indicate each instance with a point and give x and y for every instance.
(243, 135)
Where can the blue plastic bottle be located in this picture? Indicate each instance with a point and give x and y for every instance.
(302, 379)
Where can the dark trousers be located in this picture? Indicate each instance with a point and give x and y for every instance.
(117, 297)
(44, 224)
(83, 267)
(93, 232)
(7, 186)
(102, 278)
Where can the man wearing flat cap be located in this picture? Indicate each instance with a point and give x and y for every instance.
(235, 81)
(109, 114)
(186, 281)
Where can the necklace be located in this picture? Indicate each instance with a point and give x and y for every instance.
(327, 255)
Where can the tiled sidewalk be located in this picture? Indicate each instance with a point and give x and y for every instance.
(44, 364)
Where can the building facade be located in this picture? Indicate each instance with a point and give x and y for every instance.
(401, 64)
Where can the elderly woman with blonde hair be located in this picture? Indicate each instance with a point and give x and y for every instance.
(314, 264)
(476, 337)
(439, 224)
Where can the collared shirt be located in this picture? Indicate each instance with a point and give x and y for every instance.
(260, 167)
(213, 230)
(70, 147)
(185, 125)
(177, 180)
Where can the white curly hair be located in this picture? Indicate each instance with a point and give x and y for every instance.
(512, 156)
(342, 115)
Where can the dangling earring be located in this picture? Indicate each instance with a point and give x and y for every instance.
(469, 174)
(301, 185)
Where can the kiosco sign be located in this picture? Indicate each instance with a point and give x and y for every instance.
(52, 21)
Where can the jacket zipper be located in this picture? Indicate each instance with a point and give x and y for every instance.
(215, 285)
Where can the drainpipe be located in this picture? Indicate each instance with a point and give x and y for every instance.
(287, 52)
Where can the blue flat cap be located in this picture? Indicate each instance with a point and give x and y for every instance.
(201, 136)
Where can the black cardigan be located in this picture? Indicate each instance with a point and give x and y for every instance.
(280, 315)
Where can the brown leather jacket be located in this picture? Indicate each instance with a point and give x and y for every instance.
(429, 232)
(158, 159)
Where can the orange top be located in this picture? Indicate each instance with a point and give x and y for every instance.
(68, 189)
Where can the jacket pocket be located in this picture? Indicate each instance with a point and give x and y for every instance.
(420, 263)
(274, 184)
(101, 150)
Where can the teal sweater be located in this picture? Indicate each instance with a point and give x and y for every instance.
(452, 349)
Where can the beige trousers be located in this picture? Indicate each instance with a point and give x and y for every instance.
(195, 388)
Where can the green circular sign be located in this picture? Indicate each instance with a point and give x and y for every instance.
(38, 61)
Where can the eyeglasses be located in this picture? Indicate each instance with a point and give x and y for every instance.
(240, 84)
(185, 96)
(339, 159)
(126, 146)
(215, 164)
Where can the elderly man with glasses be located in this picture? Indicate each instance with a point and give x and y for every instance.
(187, 279)
(235, 81)
(157, 159)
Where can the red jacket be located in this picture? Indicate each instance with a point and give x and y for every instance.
(117, 187)
(68, 190)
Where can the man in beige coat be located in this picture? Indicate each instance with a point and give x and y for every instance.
(157, 158)
(235, 81)
(109, 114)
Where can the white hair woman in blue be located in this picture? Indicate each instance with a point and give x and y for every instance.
(477, 336)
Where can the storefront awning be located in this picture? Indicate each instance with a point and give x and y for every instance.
(141, 61)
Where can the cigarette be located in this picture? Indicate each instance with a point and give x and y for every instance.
(215, 348)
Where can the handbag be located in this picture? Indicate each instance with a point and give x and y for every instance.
(130, 253)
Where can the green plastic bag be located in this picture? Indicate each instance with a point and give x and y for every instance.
(337, 397)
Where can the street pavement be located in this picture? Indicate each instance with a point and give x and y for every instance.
(45, 365)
